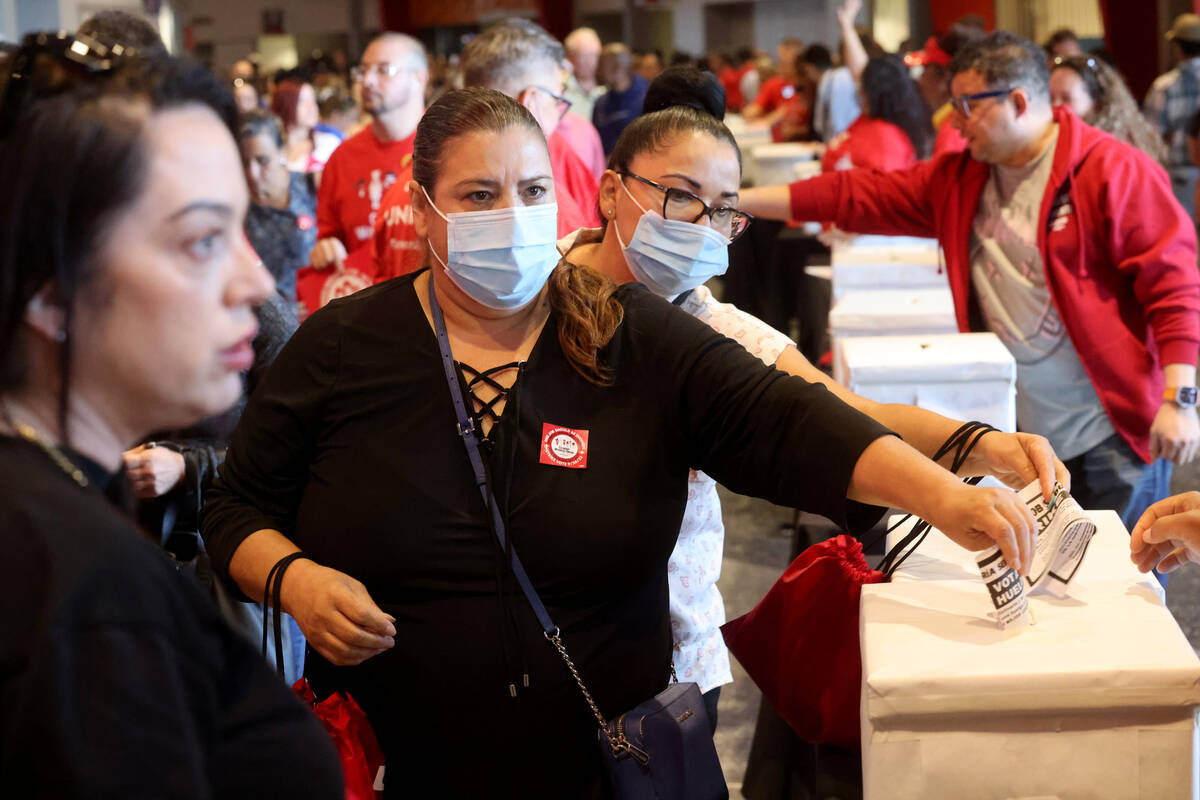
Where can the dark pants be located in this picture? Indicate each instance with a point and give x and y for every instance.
(1111, 475)
(710, 706)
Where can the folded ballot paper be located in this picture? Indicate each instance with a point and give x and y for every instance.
(1063, 535)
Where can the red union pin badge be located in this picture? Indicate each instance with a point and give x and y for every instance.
(564, 447)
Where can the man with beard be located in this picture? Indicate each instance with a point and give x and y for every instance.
(393, 74)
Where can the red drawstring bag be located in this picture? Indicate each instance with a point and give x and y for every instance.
(800, 643)
(352, 735)
(316, 287)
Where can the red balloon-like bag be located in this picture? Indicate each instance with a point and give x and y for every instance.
(352, 735)
(800, 643)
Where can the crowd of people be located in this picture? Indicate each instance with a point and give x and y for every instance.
(535, 225)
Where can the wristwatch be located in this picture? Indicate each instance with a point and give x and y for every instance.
(1182, 396)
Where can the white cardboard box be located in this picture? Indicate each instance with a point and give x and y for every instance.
(748, 136)
(889, 312)
(886, 262)
(967, 376)
(872, 248)
(1098, 699)
(774, 163)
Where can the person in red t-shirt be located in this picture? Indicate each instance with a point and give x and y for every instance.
(396, 248)
(393, 74)
(893, 130)
(730, 78)
(522, 60)
(774, 92)
(584, 140)
(782, 101)
(934, 81)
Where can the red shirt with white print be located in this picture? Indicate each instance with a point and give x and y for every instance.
(397, 250)
(353, 183)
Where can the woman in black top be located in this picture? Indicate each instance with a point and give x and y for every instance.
(126, 294)
(350, 450)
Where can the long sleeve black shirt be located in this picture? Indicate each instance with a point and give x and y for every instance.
(118, 677)
(349, 447)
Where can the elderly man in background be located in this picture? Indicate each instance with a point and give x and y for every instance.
(393, 75)
(1069, 246)
(582, 47)
(1173, 100)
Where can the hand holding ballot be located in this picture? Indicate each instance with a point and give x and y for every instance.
(1017, 459)
(1168, 534)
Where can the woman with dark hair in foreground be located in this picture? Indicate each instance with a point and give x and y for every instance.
(126, 306)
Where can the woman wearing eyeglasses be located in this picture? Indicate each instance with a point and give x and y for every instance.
(127, 291)
(593, 402)
(680, 165)
(1098, 95)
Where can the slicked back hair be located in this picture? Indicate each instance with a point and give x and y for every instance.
(504, 55)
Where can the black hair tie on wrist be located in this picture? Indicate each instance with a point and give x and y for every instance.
(962, 441)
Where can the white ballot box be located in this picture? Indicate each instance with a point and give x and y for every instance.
(748, 136)
(969, 376)
(803, 170)
(774, 162)
(889, 312)
(886, 262)
(1097, 699)
(873, 248)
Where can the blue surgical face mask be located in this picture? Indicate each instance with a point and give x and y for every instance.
(500, 258)
(670, 256)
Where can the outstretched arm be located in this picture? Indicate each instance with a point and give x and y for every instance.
(1014, 458)
(891, 473)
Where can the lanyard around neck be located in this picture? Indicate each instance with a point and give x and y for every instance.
(466, 430)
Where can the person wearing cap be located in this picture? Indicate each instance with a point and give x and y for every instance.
(1065, 243)
(1172, 100)
(932, 65)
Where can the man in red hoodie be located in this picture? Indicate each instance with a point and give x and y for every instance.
(1066, 243)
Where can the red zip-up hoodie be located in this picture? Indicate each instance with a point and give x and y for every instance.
(1119, 254)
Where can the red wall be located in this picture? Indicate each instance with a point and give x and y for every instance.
(1133, 34)
(555, 16)
(945, 12)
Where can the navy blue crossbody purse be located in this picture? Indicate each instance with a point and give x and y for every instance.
(662, 749)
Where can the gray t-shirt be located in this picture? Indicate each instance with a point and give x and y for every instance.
(1055, 398)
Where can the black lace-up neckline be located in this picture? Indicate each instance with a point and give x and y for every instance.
(486, 409)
